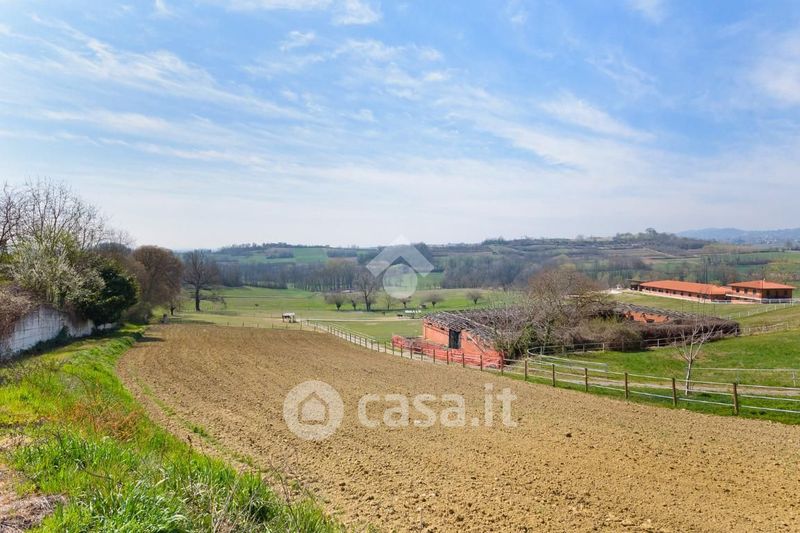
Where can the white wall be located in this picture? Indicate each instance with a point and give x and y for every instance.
(41, 324)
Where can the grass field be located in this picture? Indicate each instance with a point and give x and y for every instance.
(739, 354)
(257, 306)
(382, 330)
(69, 428)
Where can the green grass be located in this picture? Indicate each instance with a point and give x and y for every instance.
(253, 304)
(768, 351)
(644, 395)
(86, 438)
(382, 330)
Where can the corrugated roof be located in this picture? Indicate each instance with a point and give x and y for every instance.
(761, 284)
(686, 286)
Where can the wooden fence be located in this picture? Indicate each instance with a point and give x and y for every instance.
(595, 377)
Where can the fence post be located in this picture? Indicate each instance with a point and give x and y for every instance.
(735, 399)
(463, 364)
(502, 365)
(526, 369)
(554, 374)
(434, 356)
(674, 394)
(448, 356)
(481, 360)
(401, 350)
(586, 379)
(627, 392)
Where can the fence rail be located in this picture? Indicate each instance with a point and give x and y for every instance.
(590, 376)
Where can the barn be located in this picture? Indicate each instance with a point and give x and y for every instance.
(761, 290)
(456, 335)
(685, 289)
(742, 292)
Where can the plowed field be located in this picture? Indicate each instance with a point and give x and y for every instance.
(575, 461)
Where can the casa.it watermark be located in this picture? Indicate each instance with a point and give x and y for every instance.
(313, 410)
(398, 266)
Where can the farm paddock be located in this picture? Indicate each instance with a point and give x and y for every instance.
(575, 462)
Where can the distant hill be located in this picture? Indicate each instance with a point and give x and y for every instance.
(740, 236)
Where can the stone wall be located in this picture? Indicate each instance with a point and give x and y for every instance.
(40, 325)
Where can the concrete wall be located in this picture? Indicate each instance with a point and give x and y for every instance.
(40, 325)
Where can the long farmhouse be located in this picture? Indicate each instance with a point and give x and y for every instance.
(743, 292)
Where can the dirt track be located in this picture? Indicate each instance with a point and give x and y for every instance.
(576, 462)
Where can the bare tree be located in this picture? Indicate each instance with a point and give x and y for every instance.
(335, 298)
(51, 209)
(200, 273)
(474, 296)
(434, 298)
(367, 286)
(405, 301)
(690, 344)
(389, 300)
(559, 299)
(10, 217)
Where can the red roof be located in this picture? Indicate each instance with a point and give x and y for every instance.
(686, 286)
(760, 285)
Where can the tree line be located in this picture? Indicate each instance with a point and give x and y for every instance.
(58, 250)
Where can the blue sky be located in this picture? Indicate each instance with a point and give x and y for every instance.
(203, 123)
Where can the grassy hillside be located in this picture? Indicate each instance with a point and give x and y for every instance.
(84, 437)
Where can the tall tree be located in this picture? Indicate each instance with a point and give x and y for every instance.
(556, 300)
(367, 287)
(10, 217)
(159, 277)
(117, 292)
(200, 273)
(51, 210)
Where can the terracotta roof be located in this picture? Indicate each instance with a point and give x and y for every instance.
(760, 284)
(686, 286)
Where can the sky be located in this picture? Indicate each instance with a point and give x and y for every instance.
(210, 122)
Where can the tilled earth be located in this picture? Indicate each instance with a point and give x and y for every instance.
(574, 462)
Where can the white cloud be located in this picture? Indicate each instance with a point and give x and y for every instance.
(364, 115)
(630, 79)
(357, 12)
(777, 73)
(297, 39)
(573, 110)
(161, 8)
(268, 5)
(74, 54)
(653, 10)
(516, 13)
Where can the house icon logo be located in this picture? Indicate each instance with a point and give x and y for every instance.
(398, 266)
(313, 410)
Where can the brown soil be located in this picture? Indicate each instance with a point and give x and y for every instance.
(576, 462)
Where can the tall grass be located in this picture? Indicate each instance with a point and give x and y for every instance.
(83, 436)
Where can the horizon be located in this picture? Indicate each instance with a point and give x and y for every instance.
(202, 124)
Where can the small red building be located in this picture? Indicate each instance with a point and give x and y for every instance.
(761, 290)
(457, 336)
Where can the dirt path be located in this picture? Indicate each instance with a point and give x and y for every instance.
(575, 462)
